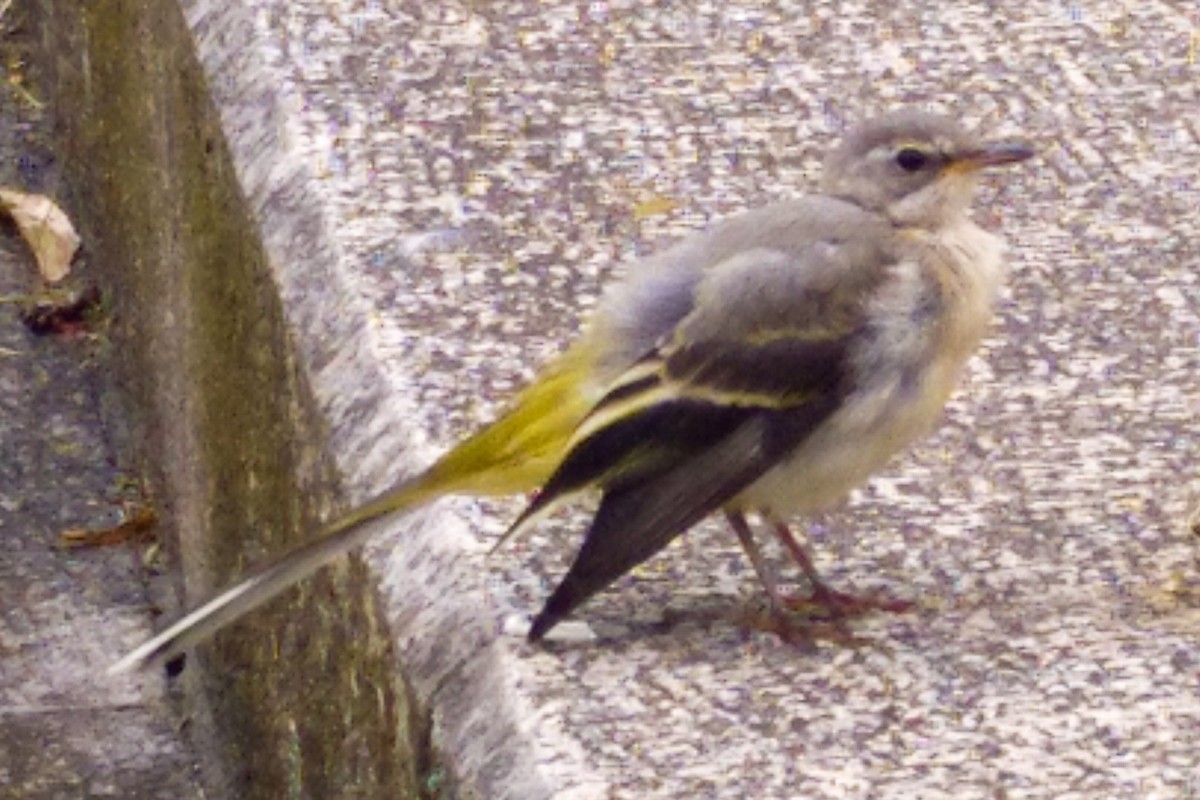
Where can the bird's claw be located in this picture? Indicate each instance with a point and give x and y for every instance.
(801, 631)
(825, 603)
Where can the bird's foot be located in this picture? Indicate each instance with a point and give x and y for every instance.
(826, 603)
(801, 630)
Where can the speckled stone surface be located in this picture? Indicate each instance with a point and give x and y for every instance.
(445, 187)
(65, 730)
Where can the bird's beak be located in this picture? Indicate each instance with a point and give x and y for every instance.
(993, 155)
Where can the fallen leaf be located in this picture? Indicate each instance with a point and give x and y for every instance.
(46, 229)
(61, 311)
(135, 526)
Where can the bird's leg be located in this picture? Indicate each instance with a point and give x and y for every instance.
(823, 597)
(746, 538)
(797, 631)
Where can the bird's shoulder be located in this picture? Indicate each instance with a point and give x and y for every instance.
(790, 268)
(804, 268)
(797, 226)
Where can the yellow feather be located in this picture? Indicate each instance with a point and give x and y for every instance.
(519, 451)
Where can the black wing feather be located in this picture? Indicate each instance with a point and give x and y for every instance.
(641, 513)
(760, 363)
(637, 518)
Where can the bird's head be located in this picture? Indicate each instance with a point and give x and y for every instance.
(915, 167)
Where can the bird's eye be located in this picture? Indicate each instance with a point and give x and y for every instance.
(911, 159)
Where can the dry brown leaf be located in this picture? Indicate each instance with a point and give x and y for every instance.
(63, 311)
(46, 228)
(136, 526)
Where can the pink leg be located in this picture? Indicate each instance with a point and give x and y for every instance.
(823, 597)
(800, 631)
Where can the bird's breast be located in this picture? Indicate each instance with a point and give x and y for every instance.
(925, 322)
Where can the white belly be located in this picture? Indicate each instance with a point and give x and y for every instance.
(901, 400)
(856, 442)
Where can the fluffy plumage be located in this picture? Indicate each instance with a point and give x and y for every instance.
(767, 365)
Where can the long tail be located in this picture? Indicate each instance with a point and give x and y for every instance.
(514, 454)
(271, 579)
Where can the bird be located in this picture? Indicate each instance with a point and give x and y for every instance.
(760, 369)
